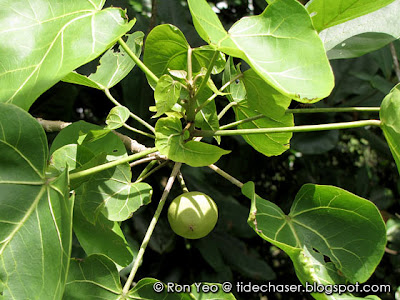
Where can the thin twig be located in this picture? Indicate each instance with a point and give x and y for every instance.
(143, 177)
(226, 176)
(52, 126)
(150, 229)
(130, 144)
(395, 60)
(139, 131)
(142, 161)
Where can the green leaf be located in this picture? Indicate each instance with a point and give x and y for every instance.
(96, 277)
(207, 117)
(202, 57)
(364, 34)
(280, 45)
(323, 221)
(390, 117)
(327, 13)
(117, 117)
(114, 66)
(35, 212)
(104, 237)
(43, 42)
(264, 98)
(77, 132)
(267, 144)
(112, 193)
(70, 156)
(167, 48)
(170, 141)
(236, 90)
(206, 22)
(166, 94)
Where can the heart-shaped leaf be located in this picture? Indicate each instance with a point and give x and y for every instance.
(44, 41)
(364, 34)
(112, 193)
(323, 221)
(166, 94)
(170, 141)
(117, 117)
(280, 45)
(390, 117)
(327, 13)
(114, 66)
(167, 48)
(35, 212)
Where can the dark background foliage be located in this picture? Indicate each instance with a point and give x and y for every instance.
(357, 160)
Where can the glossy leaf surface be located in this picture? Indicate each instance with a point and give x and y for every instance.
(114, 66)
(364, 34)
(167, 48)
(240, 92)
(323, 220)
(166, 94)
(34, 210)
(280, 45)
(112, 193)
(77, 133)
(43, 41)
(327, 13)
(171, 142)
(117, 117)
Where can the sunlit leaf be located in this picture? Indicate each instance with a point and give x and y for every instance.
(43, 41)
(364, 34)
(167, 48)
(327, 13)
(112, 193)
(330, 234)
(268, 144)
(171, 142)
(117, 117)
(166, 94)
(280, 45)
(263, 98)
(77, 133)
(35, 212)
(114, 66)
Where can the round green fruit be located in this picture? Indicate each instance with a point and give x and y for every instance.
(192, 215)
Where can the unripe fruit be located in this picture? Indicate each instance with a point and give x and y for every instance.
(192, 215)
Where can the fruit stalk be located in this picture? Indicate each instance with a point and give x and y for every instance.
(151, 227)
